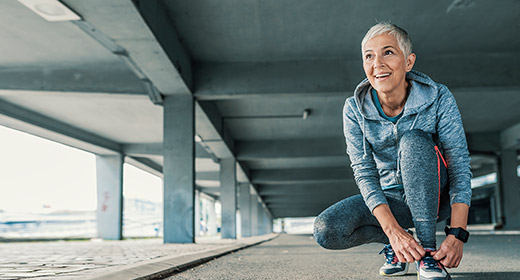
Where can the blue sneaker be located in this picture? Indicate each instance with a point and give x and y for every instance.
(430, 269)
(392, 266)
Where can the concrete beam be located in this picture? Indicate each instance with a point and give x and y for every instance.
(86, 78)
(303, 175)
(142, 149)
(158, 20)
(143, 33)
(216, 137)
(212, 192)
(303, 205)
(308, 148)
(211, 131)
(25, 120)
(208, 175)
(289, 199)
(343, 188)
(146, 165)
(337, 77)
(295, 213)
(217, 81)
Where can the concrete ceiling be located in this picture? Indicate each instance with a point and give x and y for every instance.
(253, 67)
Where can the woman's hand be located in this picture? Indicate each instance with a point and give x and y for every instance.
(403, 243)
(450, 252)
(404, 246)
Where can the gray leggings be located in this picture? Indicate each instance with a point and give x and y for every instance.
(349, 223)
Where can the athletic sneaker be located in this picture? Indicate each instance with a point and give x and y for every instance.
(430, 269)
(392, 266)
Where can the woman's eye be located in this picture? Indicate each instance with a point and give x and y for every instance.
(368, 56)
(388, 52)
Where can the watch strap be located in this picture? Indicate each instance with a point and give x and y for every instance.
(460, 233)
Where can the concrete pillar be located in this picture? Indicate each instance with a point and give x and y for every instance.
(212, 218)
(510, 188)
(254, 214)
(264, 224)
(109, 171)
(268, 222)
(197, 213)
(179, 169)
(245, 209)
(228, 197)
(260, 210)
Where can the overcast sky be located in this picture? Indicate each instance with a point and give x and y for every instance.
(35, 172)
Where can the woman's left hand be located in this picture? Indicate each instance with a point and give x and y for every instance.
(450, 252)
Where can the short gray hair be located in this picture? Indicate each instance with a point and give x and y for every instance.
(402, 37)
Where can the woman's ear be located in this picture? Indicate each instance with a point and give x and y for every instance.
(410, 61)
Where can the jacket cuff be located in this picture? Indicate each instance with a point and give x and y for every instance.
(374, 201)
(461, 199)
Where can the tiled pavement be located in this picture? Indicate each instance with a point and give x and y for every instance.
(86, 259)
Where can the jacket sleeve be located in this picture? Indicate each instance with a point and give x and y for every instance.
(365, 170)
(453, 141)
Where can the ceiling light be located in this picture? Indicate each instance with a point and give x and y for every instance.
(306, 113)
(51, 10)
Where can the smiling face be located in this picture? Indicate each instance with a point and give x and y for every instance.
(385, 64)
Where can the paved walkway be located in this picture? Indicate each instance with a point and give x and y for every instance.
(104, 259)
(292, 257)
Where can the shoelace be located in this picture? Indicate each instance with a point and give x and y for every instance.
(389, 254)
(430, 262)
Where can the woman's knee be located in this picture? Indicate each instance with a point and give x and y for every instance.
(414, 137)
(325, 232)
(414, 141)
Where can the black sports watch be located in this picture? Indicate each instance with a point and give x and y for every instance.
(460, 233)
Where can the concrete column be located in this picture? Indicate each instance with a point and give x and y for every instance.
(212, 218)
(268, 222)
(260, 210)
(245, 209)
(197, 213)
(254, 214)
(179, 169)
(228, 197)
(109, 171)
(510, 188)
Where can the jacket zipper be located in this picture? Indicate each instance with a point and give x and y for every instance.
(395, 132)
(397, 179)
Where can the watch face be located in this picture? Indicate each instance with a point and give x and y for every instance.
(459, 233)
(464, 235)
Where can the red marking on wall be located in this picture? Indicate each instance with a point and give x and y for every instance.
(106, 196)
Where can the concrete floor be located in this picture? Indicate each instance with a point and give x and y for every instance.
(299, 257)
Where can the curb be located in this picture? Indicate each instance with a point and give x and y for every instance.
(166, 266)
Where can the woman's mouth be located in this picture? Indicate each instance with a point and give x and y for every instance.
(383, 76)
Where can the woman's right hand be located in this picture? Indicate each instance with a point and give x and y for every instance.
(403, 243)
(405, 246)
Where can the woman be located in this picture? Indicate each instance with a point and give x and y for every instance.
(410, 159)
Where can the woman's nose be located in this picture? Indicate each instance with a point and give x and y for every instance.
(378, 62)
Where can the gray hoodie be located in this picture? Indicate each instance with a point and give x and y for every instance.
(372, 141)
